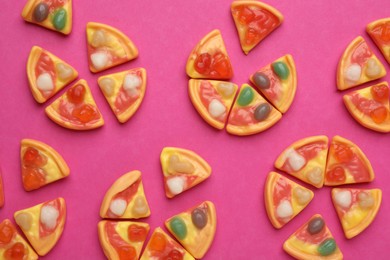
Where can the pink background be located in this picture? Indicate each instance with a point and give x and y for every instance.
(314, 32)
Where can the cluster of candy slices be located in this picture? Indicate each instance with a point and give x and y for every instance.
(358, 65)
(313, 162)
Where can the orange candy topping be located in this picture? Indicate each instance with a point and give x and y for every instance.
(159, 242)
(136, 233)
(16, 252)
(343, 153)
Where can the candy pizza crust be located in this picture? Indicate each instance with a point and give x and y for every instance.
(379, 32)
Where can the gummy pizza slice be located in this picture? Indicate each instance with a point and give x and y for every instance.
(124, 91)
(254, 21)
(47, 74)
(209, 59)
(277, 82)
(182, 169)
(306, 160)
(379, 31)
(122, 239)
(125, 199)
(1, 191)
(313, 241)
(370, 107)
(356, 208)
(251, 113)
(43, 224)
(76, 109)
(55, 15)
(212, 99)
(41, 164)
(284, 199)
(162, 246)
(12, 245)
(108, 47)
(358, 65)
(195, 228)
(347, 164)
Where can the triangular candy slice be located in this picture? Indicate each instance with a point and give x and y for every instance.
(209, 59)
(212, 99)
(108, 47)
(358, 65)
(1, 191)
(254, 21)
(47, 74)
(124, 91)
(306, 160)
(12, 245)
(125, 199)
(313, 240)
(277, 82)
(284, 199)
(370, 107)
(41, 164)
(195, 228)
(251, 113)
(162, 246)
(347, 164)
(356, 208)
(43, 224)
(122, 239)
(182, 169)
(379, 31)
(76, 109)
(55, 15)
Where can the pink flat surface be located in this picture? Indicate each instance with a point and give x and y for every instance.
(314, 32)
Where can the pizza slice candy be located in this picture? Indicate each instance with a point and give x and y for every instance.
(347, 164)
(251, 113)
(277, 82)
(43, 224)
(305, 159)
(55, 15)
(124, 92)
(356, 208)
(284, 199)
(125, 199)
(108, 47)
(40, 164)
(212, 99)
(370, 107)
(313, 241)
(209, 59)
(379, 31)
(195, 228)
(76, 109)
(358, 65)
(122, 240)
(182, 169)
(254, 21)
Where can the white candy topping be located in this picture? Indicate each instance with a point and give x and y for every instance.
(373, 69)
(176, 185)
(353, 72)
(131, 83)
(343, 198)
(296, 160)
(118, 206)
(107, 85)
(64, 71)
(315, 175)
(216, 108)
(24, 220)
(302, 196)
(140, 208)
(284, 209)
(45, 82)
(49, 216)
(99, 60)
(227, 89)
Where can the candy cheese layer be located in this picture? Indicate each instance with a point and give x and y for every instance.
(379, 31)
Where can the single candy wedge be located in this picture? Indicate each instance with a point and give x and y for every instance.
(358, 65)
(379, 31)
(125, 199)
(43, 224)
(195, 228)
(347, 164)
(356, 208)
(182, 169)
(254, 21)
(209, 59)
(41, 164)
(1, 191)
(12, 245)
(284, 199)
(108, 47)
(277, 82)
(313, 241)
(370, 107)
(306, 160)
(251, 113)
(54, 15)
(124, 92)
(162, 246)
(212, 99)
(76, 109)
(122, 239)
